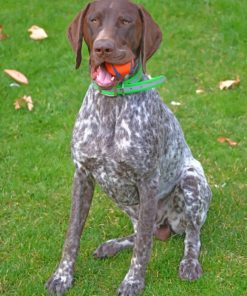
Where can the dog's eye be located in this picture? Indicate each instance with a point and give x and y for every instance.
(94, 20)
(125, 21)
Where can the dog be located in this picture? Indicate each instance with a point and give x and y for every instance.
(132, 145)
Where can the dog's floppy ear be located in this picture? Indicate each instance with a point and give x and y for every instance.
(75, 34)
(151, 36)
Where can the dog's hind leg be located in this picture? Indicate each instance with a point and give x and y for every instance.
(113, 246)
(83, 189)
(190, 268)
(197, 195)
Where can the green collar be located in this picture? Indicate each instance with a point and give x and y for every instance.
(134, 84)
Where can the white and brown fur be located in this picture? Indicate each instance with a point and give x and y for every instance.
(134, 148)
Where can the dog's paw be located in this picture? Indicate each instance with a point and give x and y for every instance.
(131, 287)
(190, 269)
(59, 283)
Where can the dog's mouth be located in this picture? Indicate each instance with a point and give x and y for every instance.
(102, 77)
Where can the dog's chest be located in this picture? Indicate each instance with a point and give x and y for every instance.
(111, 143)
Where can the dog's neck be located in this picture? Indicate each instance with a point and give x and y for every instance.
(132, 83)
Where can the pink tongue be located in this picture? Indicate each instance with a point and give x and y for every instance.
(103, 78)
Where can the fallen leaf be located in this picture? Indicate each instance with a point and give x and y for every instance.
(175, 103)
(220, 185)
(227, 140)
(37, 33)
(2, 34)
(18, 104)
(29, 103)
(231, 143)
(228, 84)
(17, 76)
(199, 91)
(14, 84)
(24, 100)
(221, 139)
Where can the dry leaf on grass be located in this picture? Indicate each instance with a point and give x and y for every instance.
(221, 139)
(27, 100)
(2, 34)
(37, 33)
(199, 91)
(17, 76)
(227, 140)
(14, 84)
(174, 103)
(228, 84)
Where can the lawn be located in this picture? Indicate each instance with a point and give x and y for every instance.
(204, 42)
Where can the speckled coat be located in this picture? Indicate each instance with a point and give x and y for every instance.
(121, 141)
(134, 148)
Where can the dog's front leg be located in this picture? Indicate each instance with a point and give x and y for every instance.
(83, 189)
(133, 282)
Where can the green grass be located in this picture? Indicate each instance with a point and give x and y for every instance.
(204, 42)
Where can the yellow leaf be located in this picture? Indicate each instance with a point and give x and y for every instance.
(2, 34)
(227, 140)
(29, 102)
(37, 33)
(17, 76)
(18, 104)
(174, 103)
(24, 100)
(228, 84)
(199, 91)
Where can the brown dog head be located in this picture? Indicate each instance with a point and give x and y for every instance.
(115, 31)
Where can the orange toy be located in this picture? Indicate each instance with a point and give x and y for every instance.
(119, 70)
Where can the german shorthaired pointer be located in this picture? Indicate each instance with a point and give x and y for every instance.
(133, 147)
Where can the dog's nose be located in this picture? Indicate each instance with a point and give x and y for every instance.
(103, 47)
